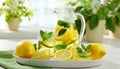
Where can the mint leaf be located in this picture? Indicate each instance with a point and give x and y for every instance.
(63, 23)
(62, 31)
(61, 46)
(78, 24)
(49, 35)
(35, 46)
(78, 9)
(93, 22)
(39, 43)
(113, 4)
(45, 35)
(83, 47)
(110, 24)
(79, 50)
(88, 47)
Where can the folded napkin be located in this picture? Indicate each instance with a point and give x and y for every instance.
(7, 61)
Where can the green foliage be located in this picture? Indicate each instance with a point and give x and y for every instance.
(109, 12)
(110, 24)
(78, 24)
(45, 35)
(93, 21)
(63, 23)
(84, 51)
(114, 15)
(61, 46)
(15, 9)
(62, 31)
(75, 3)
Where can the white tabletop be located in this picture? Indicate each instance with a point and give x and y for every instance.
(111, 60)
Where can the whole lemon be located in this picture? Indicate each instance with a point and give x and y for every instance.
(97, 51)
(25, 49)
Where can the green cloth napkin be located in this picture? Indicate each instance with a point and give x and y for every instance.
(7, 61)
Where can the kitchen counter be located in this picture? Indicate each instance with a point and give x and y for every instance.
(111, 60)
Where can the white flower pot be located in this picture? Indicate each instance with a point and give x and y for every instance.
(95, 35)
(13, 25)
(117, 32)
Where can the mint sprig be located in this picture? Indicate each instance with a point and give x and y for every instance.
(84, 51)
(84, 48)
(62, 31)
(61, 46)
(45, 35)
(63, 23)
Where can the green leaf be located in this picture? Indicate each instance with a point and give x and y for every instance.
(79, 50)
(88, 47)
(45, 35)
(78, 24)
(93, 22)
(39, 43)
(83, 47)
(49, 35)
(35, 46)
(110, 24)
(113, 4)
(61, 46)
(78, 9)
(62, 31)
(63, 23)
(118, 17)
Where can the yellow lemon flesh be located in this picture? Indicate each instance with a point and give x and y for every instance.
(63, 55)
(97, 51)
(69, 36)
(42, 54)
(25, 49)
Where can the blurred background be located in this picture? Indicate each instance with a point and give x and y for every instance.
(105, 11)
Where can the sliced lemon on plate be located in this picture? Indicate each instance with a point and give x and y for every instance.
(63, 55)
(42, 54)
(48, 43)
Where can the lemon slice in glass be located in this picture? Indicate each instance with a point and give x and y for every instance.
(63, 55)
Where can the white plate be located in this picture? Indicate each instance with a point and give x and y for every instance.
(55, 63)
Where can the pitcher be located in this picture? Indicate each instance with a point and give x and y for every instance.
(66, 31)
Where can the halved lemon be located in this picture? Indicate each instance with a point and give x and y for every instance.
(63, 55)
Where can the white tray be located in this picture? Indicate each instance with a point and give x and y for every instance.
(55, 63)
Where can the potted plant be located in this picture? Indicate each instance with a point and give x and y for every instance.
(113, 20)
(95, 19)
(14, 10)
(103, 17)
